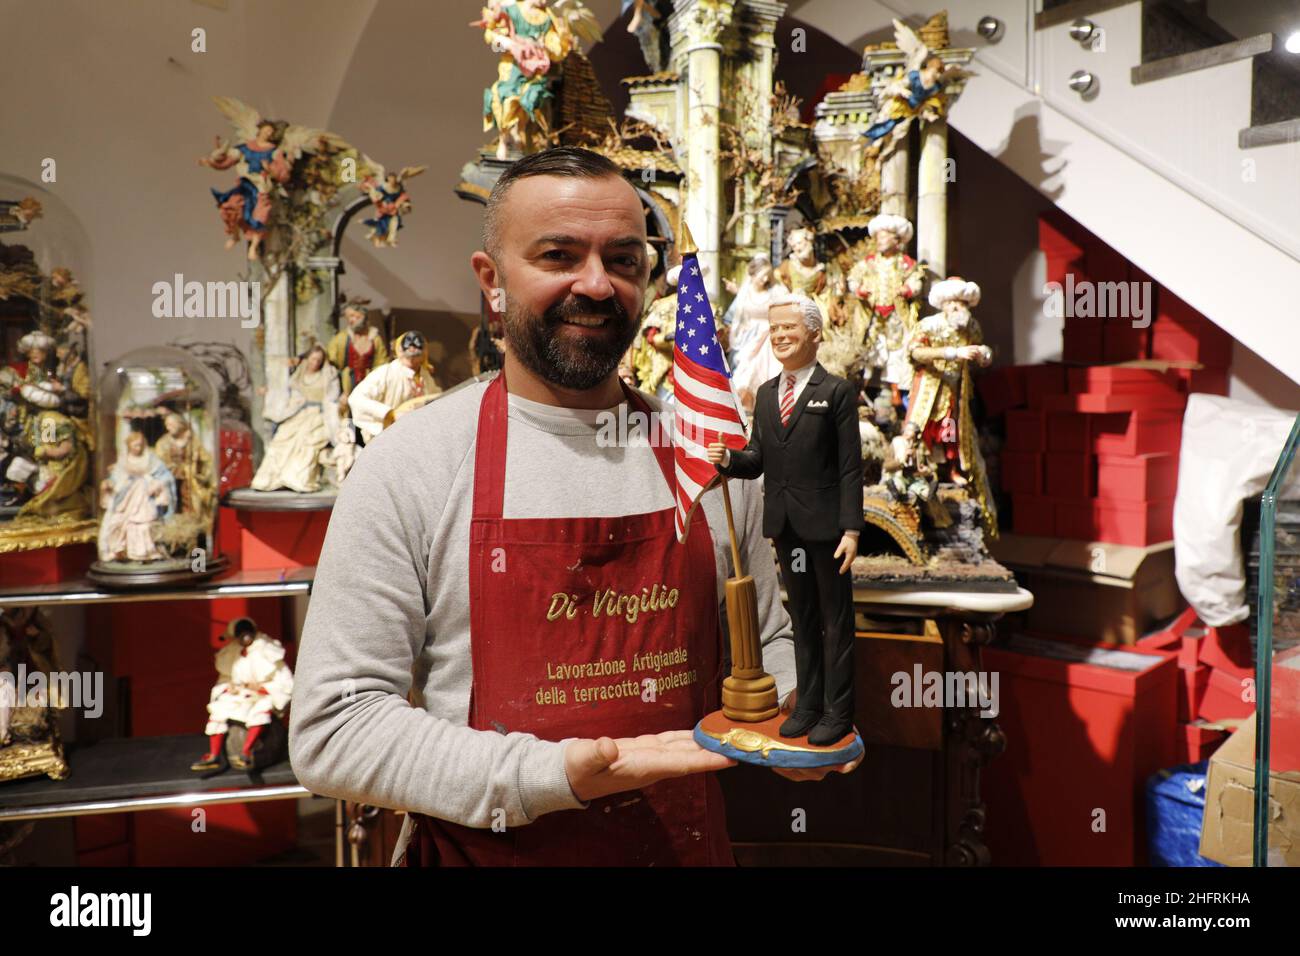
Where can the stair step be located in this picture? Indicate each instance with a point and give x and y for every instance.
(1270, 134)
(1201, 59)
(1068, 12)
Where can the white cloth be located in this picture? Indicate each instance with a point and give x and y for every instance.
(383, 390)
(1228, 453)
(243, 673)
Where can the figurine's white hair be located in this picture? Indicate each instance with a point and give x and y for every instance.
(812, 314)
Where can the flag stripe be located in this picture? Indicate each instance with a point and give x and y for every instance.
(705, 405)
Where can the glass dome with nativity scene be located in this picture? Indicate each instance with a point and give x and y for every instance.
(156, 484)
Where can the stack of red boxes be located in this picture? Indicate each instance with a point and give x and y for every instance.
(1216, 676)
(1091, 446)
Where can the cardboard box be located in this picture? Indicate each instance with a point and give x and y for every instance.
(1121, 342)
(1042, 381)
(1068, 431)
(1199, 740)
(1070, 475)
(1001, 389)
(1031, 515)
(1138, 433)
(1085, 727)
(1137, 478)
(1026, 430)
(1137, 524)
(1022, 472)
(1092, 590)
(1190, 338)
(1123, 379)
(1103, 404)
(1228, 826)
(1082, 340)
(1074, 519)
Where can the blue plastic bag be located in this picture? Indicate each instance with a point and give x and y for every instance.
(1175, 807)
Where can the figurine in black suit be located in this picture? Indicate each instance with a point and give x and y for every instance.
(806, 444)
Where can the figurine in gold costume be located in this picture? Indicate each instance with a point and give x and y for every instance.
(888, 283)
(942, 348)
(190, 465)
(358, 348)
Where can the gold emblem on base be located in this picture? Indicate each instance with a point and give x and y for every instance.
(751, 741)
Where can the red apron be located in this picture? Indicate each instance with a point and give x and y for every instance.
(551, 659)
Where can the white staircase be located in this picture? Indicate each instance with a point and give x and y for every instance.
(1158, 159)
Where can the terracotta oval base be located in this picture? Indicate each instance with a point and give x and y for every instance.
(762, 744)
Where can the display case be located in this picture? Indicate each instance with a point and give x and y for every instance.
(46, 435)
(156, 480)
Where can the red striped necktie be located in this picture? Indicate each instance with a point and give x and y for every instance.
(787, 399)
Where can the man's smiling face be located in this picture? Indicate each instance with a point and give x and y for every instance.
(572, 261)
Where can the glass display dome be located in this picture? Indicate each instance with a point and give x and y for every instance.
(46, 434)
(156, 476)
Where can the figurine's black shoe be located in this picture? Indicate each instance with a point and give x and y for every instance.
(242, 762)
(799, 723)
(210, 761)
(828, 731)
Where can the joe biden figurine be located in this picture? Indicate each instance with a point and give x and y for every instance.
(806, 444)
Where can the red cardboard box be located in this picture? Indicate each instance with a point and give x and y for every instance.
(1200, 739)
(1022, 472)
(1026, 430)
(1121, 342)
(1137, 433)
(1136, 524)
(1284, 739)
(1082, 341)
(1212, 381)
(1223, 695)
(1123, 379)
(1107, 404)
(1001, 389)
(1068, 431)
(1191, 340)
(1075, 519)
(1064, 254)
(1085, 727)
(1137, 478)
(1031, 514)
(1070, 475)
(1042, 381)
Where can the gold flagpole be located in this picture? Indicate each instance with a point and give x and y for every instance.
(748, 692)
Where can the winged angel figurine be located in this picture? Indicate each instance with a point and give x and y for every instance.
(533, 38)
(263, 157)
(923, 88)
(388, 193)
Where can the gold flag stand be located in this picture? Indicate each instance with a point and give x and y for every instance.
(748, 692)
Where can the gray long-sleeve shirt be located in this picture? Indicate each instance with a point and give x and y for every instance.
(381, 704)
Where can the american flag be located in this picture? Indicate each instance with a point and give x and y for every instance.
(705, 406)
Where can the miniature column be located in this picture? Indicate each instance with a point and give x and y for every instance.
(932, 198)
(894, 180)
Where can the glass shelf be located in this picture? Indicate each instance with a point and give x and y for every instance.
(236, 584)
(140, 773)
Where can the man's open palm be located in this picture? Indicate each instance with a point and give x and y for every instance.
(597, 768)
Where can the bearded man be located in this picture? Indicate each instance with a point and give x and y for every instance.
(459, 659)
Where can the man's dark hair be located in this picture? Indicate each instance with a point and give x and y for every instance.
(559, 161)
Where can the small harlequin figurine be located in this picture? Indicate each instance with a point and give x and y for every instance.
(254, 687)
